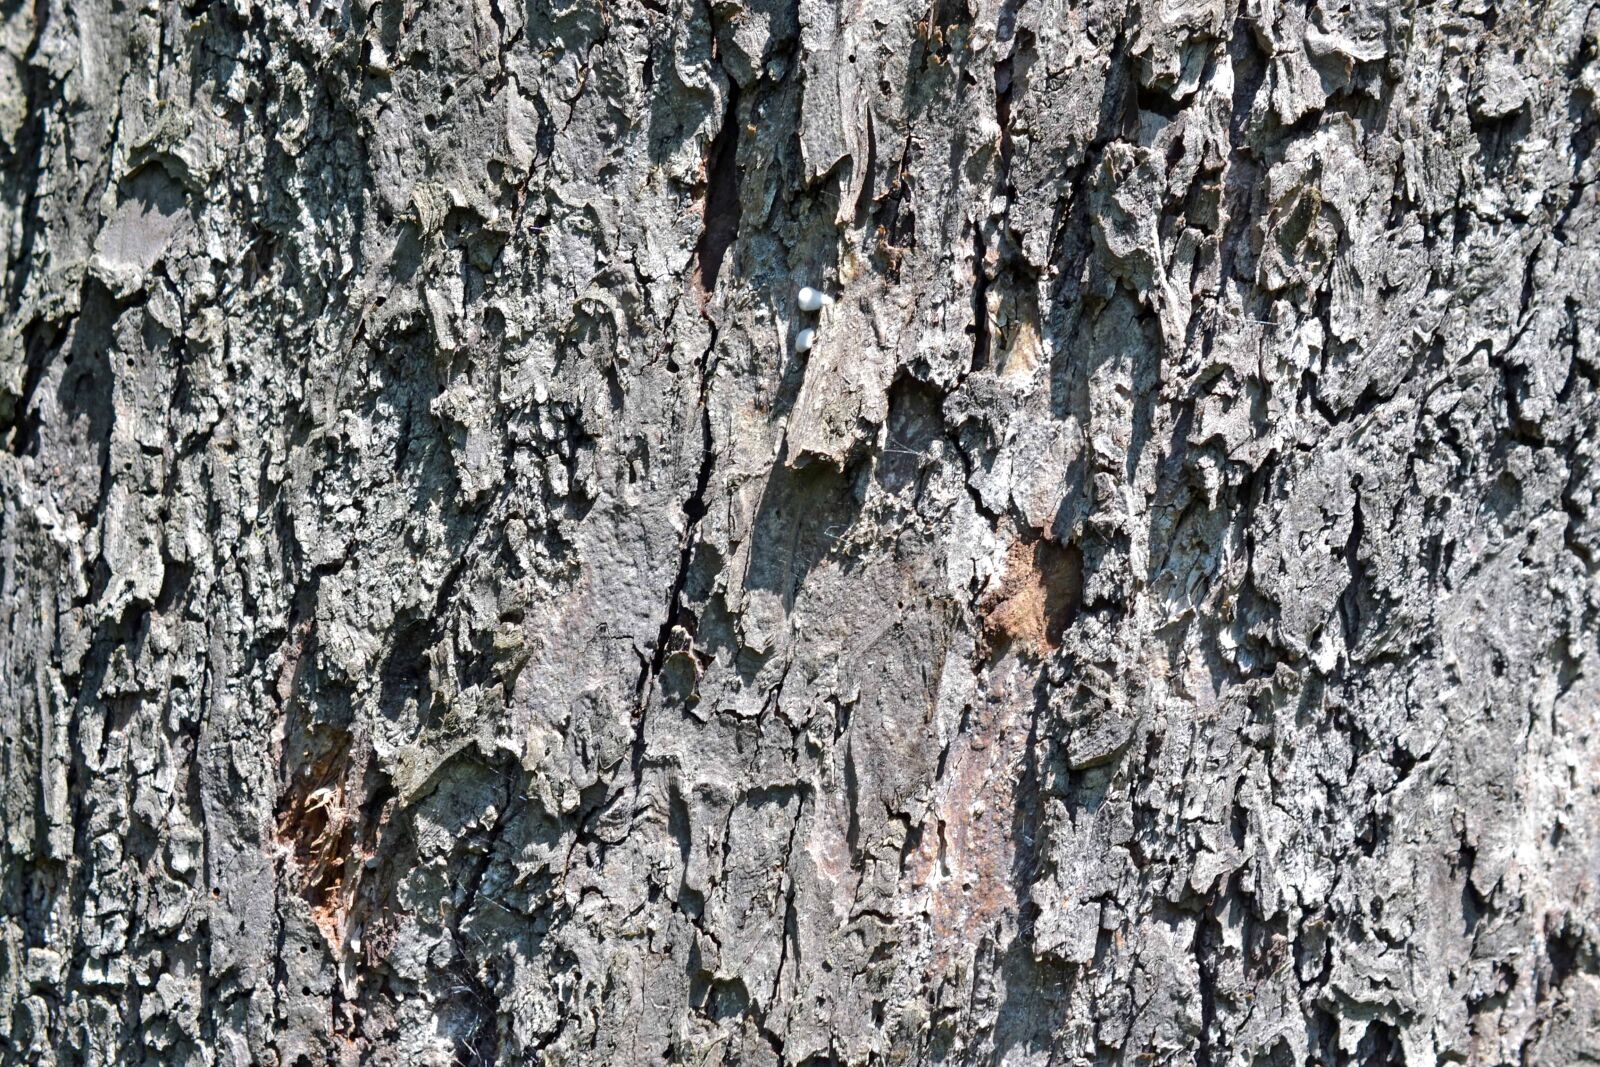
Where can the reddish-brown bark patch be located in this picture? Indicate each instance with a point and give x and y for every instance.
(317, 827)
(1036, 598)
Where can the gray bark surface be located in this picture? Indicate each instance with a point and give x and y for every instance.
(445, 619)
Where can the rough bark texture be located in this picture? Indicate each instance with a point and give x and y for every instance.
(444, 619)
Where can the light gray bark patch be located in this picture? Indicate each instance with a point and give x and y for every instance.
(446, 618)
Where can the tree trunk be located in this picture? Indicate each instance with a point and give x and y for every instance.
(448, 616)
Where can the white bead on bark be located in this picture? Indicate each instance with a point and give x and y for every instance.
(813, 299)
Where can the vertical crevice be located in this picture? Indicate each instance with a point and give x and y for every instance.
(20, 420)
(1350, 599)
(694, 509)
(722, 209)
(1206, 943)
(980, 301)
(24, 160)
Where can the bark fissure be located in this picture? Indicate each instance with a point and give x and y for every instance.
(443, 618)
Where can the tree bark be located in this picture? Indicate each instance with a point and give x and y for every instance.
(445, 617)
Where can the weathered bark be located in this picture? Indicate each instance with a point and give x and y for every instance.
(445, 619)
